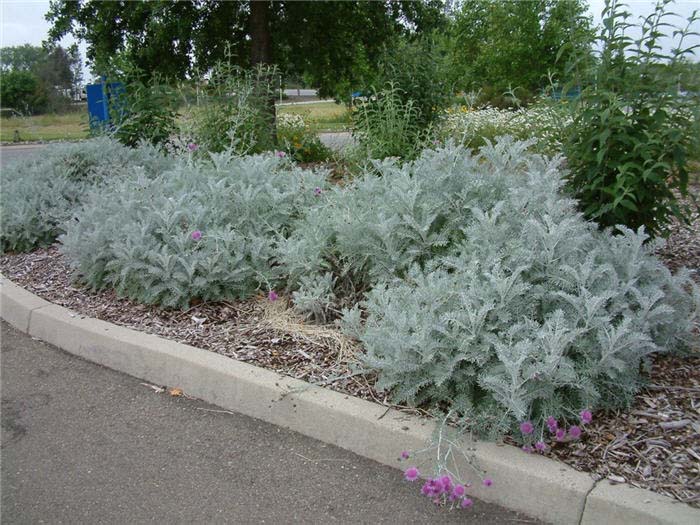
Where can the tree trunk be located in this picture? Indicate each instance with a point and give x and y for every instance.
(259, 32)
(260, 55)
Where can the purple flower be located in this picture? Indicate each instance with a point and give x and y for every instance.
(488, 482)
(560, 435)
(280, 154)
(466, 503)
(575, 432)
(192, 146)
(429, 489)
(586, 417)
(272, 295)
(405, 454)
(196, 235)
(527, 449)
(541, 446)
(458, 491)
(552, 424)
(318, 191)
(411, 474)
(526, 427)
(446, 483)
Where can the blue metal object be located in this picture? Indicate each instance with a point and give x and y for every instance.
(102, 99)
(572, 94)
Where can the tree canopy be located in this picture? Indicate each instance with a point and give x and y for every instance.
(37, 79)
(515, 44)
(330, 42)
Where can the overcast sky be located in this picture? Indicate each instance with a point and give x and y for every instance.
(22, 21)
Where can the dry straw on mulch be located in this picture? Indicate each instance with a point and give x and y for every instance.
(655, 445)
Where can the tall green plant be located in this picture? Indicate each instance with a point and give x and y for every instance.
(387, 126)
(145, 111)
(630, 136)
(233, 109)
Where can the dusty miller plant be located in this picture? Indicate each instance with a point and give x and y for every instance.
(525, 310)
(203, 230)
(41, 192)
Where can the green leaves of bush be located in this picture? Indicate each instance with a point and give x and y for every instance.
(633, 130)
(386, 125)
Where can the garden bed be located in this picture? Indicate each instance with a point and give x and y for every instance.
(655, 445)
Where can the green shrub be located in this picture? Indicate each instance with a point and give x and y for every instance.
(140, 235)
(632, 132)
(146, 111)
(387, 126)
(417, 70)
(41, 192)
(235, 110)
(296, 138)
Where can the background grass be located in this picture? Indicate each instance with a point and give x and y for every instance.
(69, 126)
(321, 116)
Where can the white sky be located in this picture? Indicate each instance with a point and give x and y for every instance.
(22, 21)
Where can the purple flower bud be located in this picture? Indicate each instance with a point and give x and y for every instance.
(488, 482)
(560, 435)
(458, 491)
(527, 449)
(552, 424)
(405, 454)
(466, 503)
(318, 191)
(411, 474)
(526, 427)
(541, 446)
(272, 295)
(280, 154)
(196, 235)
(586, 417)
(192, 146)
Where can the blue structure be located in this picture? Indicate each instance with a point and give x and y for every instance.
(101, 99)
(572, 94)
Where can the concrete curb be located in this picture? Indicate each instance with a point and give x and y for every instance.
(534, 485)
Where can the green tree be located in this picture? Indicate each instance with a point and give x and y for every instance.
(21, 91)
(333, 43)
(505, 44)
(58, 70)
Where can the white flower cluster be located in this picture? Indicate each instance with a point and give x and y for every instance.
(291, 122)
(543, 122)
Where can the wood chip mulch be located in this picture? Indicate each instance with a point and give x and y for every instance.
(683, 243)
(655, 445)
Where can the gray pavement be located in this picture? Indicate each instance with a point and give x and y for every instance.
(12, 153)
(85, 444)
(337, 141)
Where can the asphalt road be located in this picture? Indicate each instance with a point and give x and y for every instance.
(85, 444)
(12, 153)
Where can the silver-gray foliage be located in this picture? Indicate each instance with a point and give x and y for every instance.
(136, 234)
(41, 192)
(531, 312)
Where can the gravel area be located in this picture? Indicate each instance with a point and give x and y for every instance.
(655, 445)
